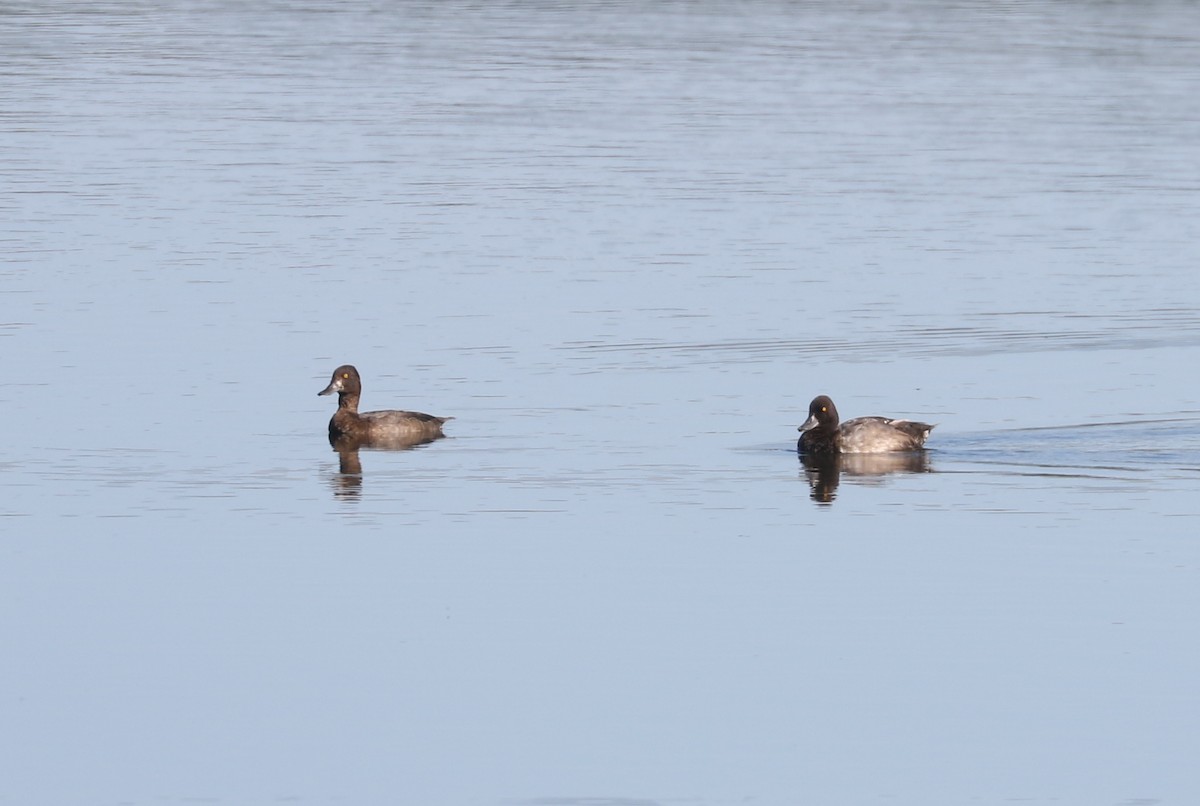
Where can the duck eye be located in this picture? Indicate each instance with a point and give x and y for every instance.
(345, 375)
(824, 408)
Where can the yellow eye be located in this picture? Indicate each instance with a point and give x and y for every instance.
(824, 408)
(345, 375)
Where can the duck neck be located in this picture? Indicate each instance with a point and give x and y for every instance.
(348, 401)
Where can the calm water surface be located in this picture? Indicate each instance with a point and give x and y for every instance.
(624, 245)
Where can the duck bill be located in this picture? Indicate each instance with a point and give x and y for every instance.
(808, 424)
(334, 386)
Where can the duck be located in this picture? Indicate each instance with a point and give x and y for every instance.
(375, 427)
(822, 432)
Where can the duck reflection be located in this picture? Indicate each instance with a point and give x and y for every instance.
(823, 471)
(348, 481)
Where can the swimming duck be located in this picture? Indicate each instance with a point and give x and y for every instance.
(374, 426)
(822, 433)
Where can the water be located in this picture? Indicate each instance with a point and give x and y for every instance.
(624, 245)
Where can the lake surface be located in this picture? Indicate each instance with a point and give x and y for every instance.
(623, 245)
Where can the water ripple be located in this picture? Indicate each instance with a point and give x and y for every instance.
(1148, 329)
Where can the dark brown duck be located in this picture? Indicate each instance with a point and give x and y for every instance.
(374, 426)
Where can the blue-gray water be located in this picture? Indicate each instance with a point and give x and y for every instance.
(624, 244)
